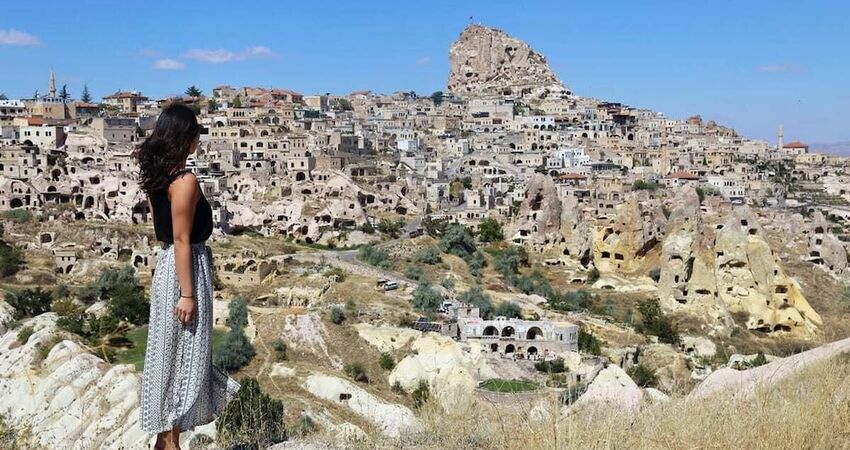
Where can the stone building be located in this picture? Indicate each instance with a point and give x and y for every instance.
(516, 338)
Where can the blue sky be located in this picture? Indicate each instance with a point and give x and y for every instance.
(749, 64)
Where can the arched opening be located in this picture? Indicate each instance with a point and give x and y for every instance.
(532, 351)
(494, 348)
(300, 176)
(16, 203)
(491, 331)
(534, 333)
(509, 349)
(508, 331)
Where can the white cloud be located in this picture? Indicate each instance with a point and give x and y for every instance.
(168, 64)
(423, 61)
(222, 56)
(15, 37)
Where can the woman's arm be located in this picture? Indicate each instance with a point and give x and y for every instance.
(184, 194)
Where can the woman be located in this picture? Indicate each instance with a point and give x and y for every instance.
(181, 388)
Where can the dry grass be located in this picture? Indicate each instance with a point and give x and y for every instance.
(811, 411)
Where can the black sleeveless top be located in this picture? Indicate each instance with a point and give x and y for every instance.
(202, 224)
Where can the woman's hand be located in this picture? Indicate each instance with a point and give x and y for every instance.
(185, 309)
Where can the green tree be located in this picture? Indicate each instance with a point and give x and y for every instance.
(63, 93)
(478, 298)
(457, 240)
(437, 98)
(425, 298)
(236, 350)
(490, 230)
(237, 102)
(429, 255)
(193, 91)
(252, 420)
(10, 259)
(212, 105)
(654, 322)
(86, 96)
(588, 343)
(30, 302)
(374, 256)
(337, 315)
(508, 309)
(643, 376)
(389, 227)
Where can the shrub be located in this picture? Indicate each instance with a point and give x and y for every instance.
(280, 349)
(593, 276)
(588, 343)
(367, 228)
(237, 313)
(508, 309)
(128, 302)
(655, 274)
(374, 256)
(415, 273)
(10, 259)
(507, 262)
(643, 376)
(19, 215)
(654, 322)
(645, 185)
(397, 389)
(235, 352)
(476, 262)
(30, 302)
(356, 372)
(476, 297)
(553, 366)
(490, 230)
(305, 426)
(421, 394)
(448, 283)
(425, 298)
(386, 362)
(429, 255)
(337, 315)
(457, 240)
(252, 420)
(390, 227)
(335, 272)
(24, 335)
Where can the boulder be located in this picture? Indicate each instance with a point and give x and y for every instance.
(612, 388)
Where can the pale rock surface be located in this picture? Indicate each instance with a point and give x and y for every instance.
(487, 60)
(386, 338)
(280, 370)
(450, 371)
(72, 399)
(391, 419)
(612, 388)
(744, 383)
(307, 332)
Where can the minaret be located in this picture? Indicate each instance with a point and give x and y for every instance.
(52, 84)
(779, 135)
(665, 152)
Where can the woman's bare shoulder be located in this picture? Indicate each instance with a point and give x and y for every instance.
(184, 185)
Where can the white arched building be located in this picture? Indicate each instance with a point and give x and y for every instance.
(524, 339)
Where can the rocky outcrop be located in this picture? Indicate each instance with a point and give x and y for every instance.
(450, 370)
(72, 399)
(487, 61)
(715, 269)
(392, 420)
(825, 248)
(744, 383)
(612, 388)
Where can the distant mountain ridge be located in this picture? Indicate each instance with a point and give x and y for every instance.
(841, 148)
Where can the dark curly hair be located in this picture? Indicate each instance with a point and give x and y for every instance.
(167, 147)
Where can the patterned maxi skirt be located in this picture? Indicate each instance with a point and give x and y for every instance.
(180, 385)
